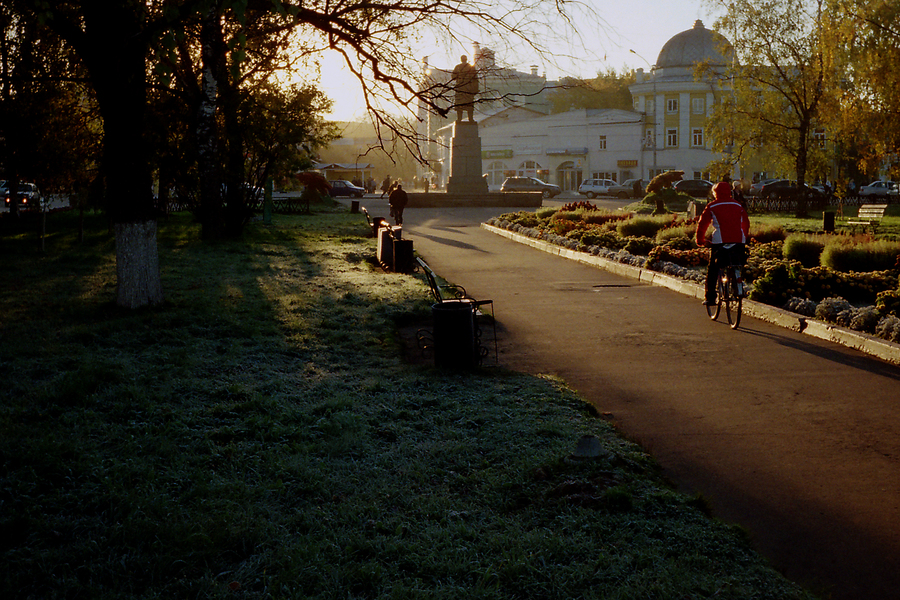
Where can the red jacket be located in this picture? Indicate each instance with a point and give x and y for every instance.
(728, 218)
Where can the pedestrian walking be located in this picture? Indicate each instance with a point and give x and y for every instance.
(398, 201)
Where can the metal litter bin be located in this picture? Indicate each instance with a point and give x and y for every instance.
(403, 256)
(828, 221)
(454, 335)
(385, 247)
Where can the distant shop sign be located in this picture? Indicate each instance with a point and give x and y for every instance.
(627, 164)
(488, 154)
(567, 151)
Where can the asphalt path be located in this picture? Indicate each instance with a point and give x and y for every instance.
(793, 438)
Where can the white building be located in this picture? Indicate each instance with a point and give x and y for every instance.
(675, 103)
(666, 130)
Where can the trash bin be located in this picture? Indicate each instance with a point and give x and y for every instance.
(403, 256)
(385, 247)
(828, 222)
(454, 335)
(354, 206)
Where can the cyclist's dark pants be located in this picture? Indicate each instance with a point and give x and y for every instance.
(721, 257)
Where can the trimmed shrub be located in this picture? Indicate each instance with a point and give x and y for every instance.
(804, 248)
(641, 227)
(846, 255)
(602, 217)
(639, 246)
(545, 212)
(888, 302)
(523, 218)
(568, 215)
(765, 234)
(829, 309)
(603, 238)
(665, 236)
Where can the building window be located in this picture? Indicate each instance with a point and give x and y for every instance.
(672, 105)
(698, 106)
(697, 137)
(530, 168)
(819, 137)
(649, 139)
(603, 175)
(651, 104)
(496, 172)
(672, 138)
(602, 143)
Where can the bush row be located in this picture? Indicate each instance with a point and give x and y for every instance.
(798, 272)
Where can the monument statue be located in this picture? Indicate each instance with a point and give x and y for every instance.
(465, 82)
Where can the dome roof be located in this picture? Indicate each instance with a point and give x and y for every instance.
(696, 45)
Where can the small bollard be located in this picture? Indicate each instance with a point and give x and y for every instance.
(354, 207)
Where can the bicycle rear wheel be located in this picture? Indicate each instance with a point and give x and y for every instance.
(733, 302)
(713, 310)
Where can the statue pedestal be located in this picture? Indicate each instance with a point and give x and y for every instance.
(465, 160)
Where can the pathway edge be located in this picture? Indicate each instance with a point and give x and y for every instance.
(877, 347)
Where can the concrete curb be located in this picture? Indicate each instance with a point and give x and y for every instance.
(877, 347)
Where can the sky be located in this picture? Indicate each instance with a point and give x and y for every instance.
(642, 25)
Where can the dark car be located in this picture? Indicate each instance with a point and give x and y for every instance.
(787, 189)
(696, 188)
(29, 196)
(530, 184)
(341, 187)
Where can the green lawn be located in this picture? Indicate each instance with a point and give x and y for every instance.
(259, 435)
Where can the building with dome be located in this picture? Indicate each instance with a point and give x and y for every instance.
(675, 102)
(666, 129)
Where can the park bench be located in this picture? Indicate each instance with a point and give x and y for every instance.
(869, 215)
(444, 294)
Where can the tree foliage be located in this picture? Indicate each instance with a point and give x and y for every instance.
(865, 110)
(775, 87)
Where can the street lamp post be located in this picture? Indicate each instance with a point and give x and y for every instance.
(655, 109)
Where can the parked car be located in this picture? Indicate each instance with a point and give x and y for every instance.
(894, 193)
(785, 188)
(756, 188)
(341, 187)
(625, 189)
(530, 184)
(879, 189)
(29, 196)
(698, 188)
(596, 187)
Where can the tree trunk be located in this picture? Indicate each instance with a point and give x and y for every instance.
(801, 164)
(116, 60)
(211, 219)
(137, 265)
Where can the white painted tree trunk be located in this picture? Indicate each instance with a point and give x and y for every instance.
(137, 265)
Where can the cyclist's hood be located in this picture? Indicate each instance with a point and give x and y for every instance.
(722, 191)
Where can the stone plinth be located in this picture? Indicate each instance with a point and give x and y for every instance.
(465, 160)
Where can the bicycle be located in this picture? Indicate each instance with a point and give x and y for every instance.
(730, 291)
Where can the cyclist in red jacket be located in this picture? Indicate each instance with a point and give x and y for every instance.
(731, 230)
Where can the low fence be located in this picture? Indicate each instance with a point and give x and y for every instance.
(757, 204)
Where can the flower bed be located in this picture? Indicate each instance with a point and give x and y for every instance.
(863, 301)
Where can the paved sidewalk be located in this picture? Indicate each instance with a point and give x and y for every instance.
(797, 439)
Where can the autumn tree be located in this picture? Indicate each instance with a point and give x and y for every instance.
(772, 94)
(865, 113)
(119, 43)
